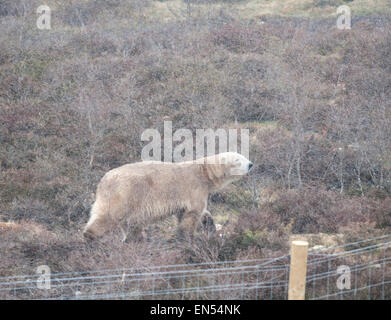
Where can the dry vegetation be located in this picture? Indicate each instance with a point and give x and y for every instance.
(74, 101)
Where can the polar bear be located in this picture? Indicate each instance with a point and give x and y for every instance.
(135, 195)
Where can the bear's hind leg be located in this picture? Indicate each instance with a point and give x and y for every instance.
(124, 234)
(131, 233)
(207, 223)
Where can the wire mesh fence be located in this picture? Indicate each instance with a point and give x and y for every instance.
(245, 279)
(366, 267)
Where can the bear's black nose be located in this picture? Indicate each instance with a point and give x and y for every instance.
(250, 165)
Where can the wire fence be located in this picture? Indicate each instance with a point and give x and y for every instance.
(366, 267)
(366, 264)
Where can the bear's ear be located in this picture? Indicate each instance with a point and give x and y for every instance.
(213, 171)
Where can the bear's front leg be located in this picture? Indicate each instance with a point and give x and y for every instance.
(207, 223)
(188, 223)
(132, 233)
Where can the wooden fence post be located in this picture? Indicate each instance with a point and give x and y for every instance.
(298, 270)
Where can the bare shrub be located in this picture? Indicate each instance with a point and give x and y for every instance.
(18, 8)
(310, 210)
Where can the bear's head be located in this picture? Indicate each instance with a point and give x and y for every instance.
(226, 167)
